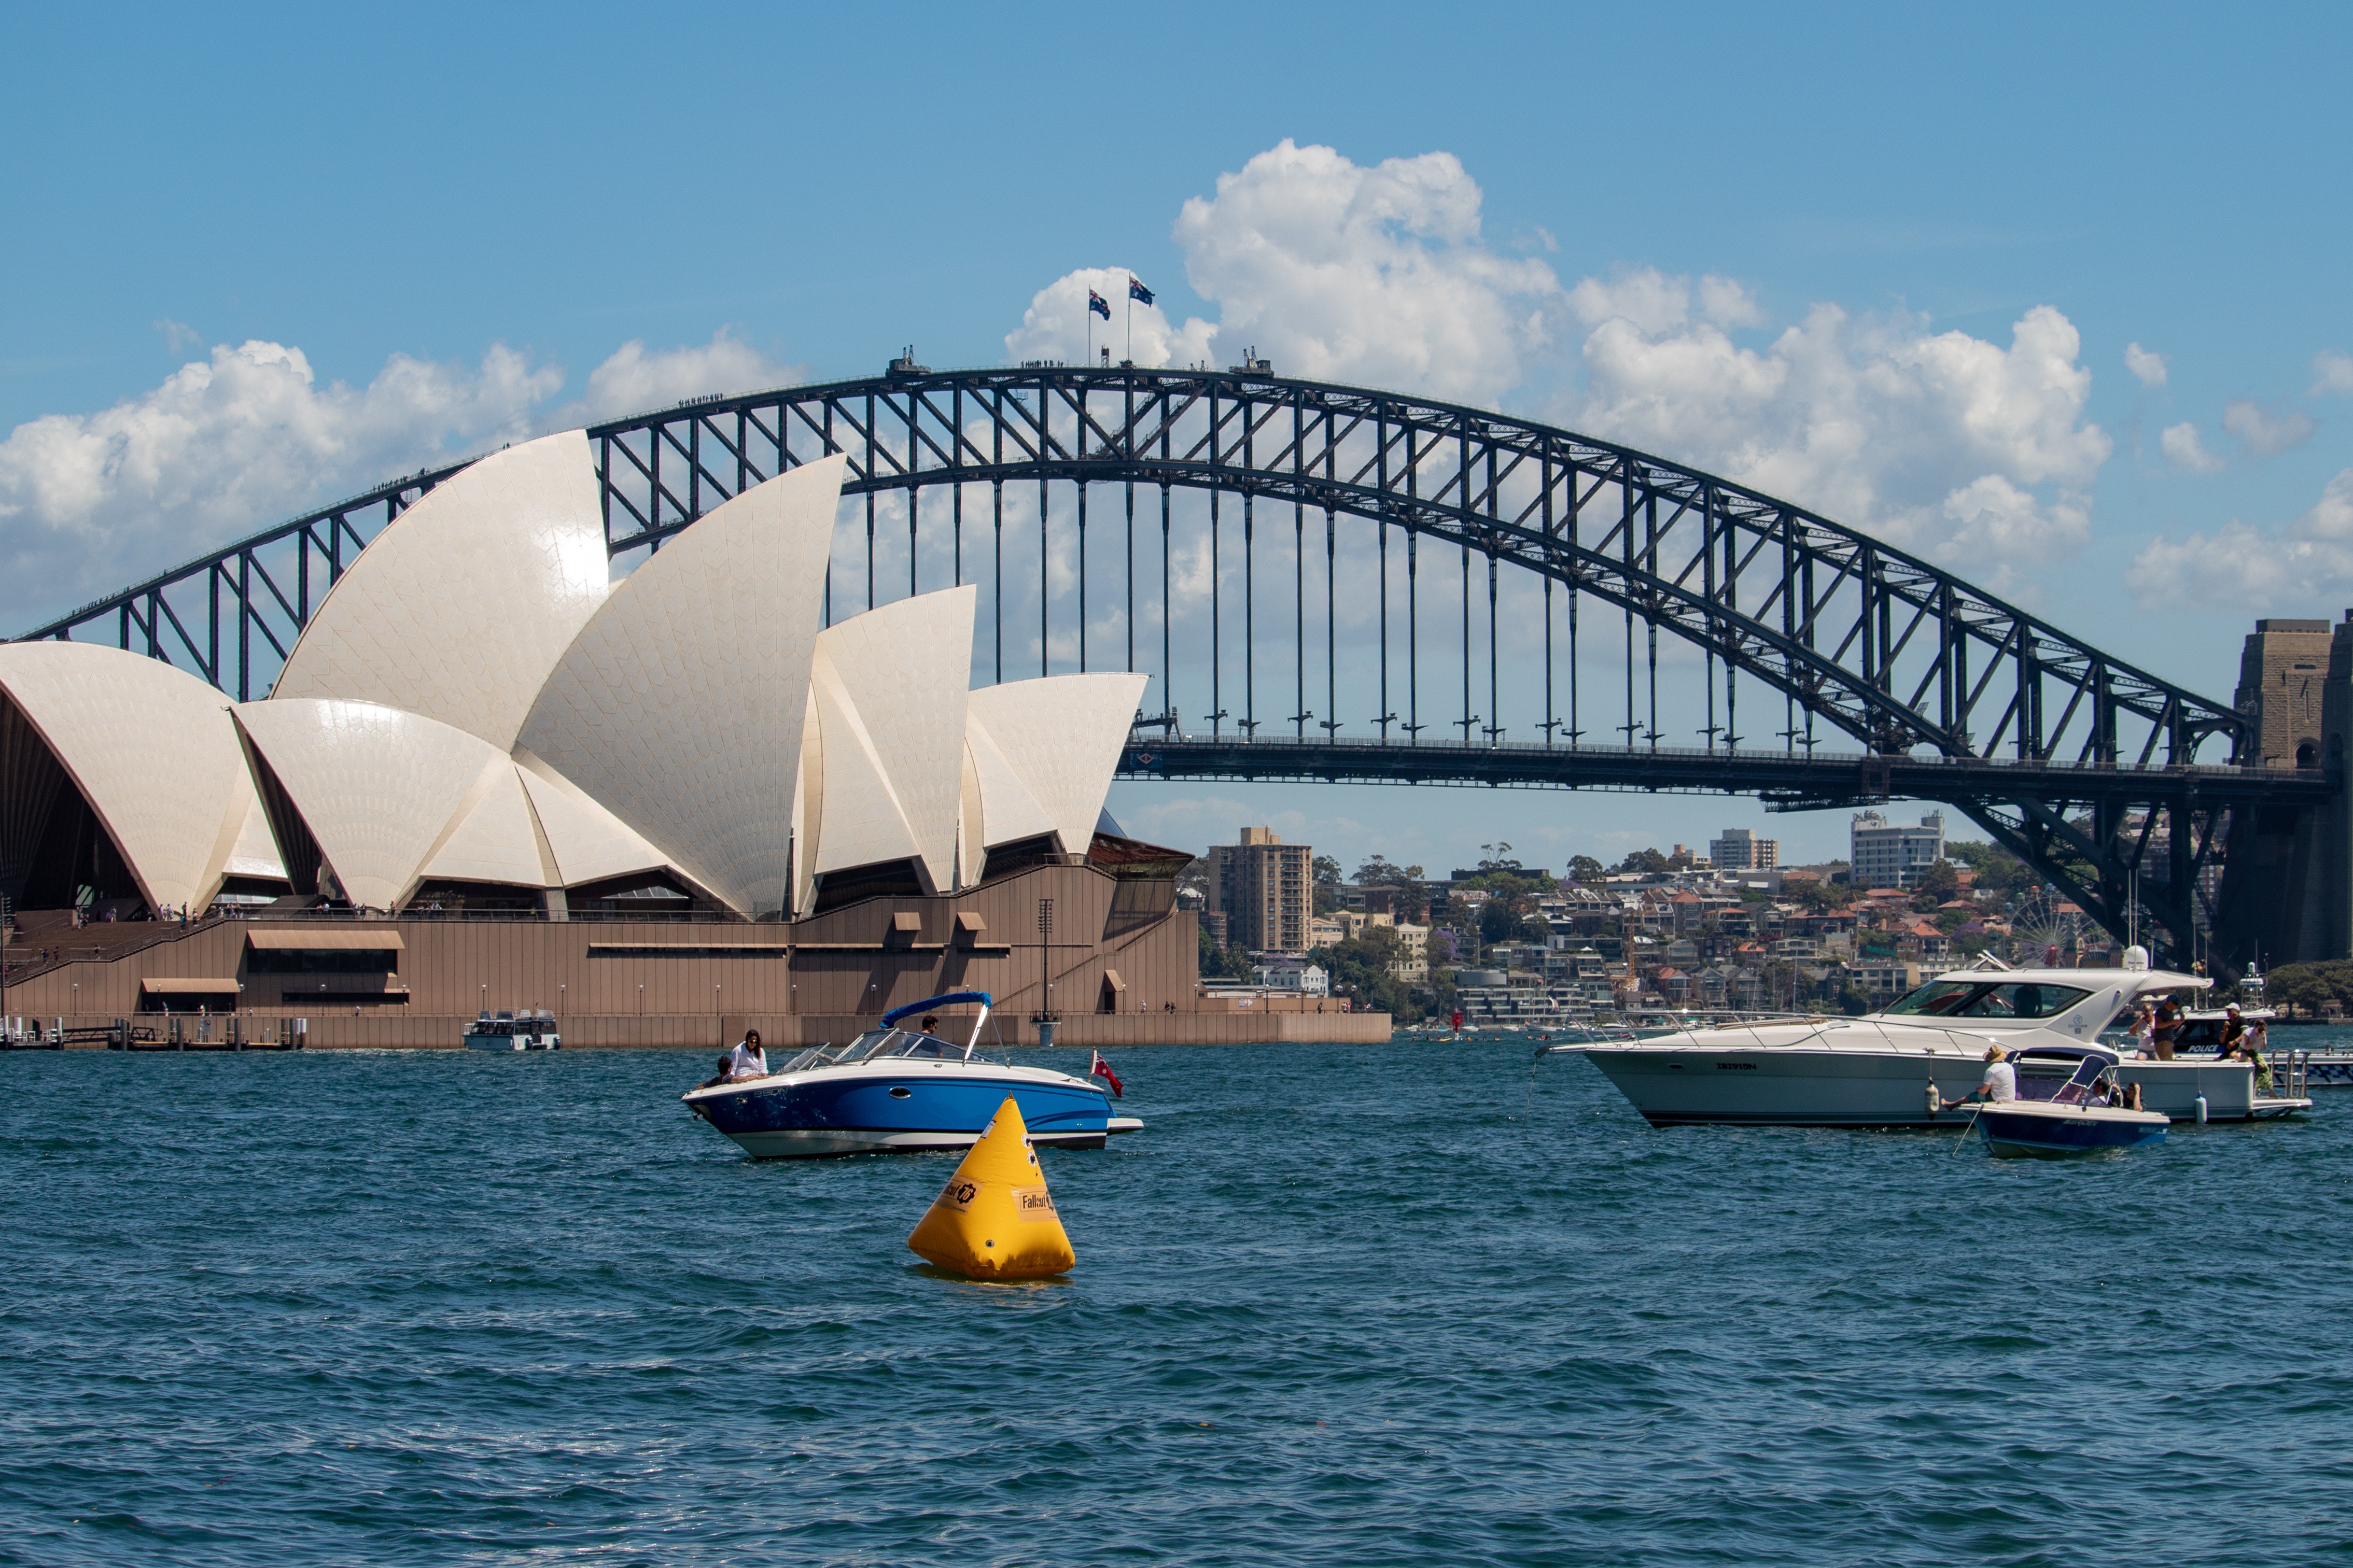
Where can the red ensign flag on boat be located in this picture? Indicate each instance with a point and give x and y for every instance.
(1101, 1069)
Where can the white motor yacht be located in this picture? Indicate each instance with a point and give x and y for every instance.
(1896, 1068)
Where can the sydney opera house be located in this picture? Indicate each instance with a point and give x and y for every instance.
(490, 777)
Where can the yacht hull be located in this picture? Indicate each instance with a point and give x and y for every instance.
(1795, 1087)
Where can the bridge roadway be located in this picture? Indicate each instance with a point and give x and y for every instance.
(1785, 781)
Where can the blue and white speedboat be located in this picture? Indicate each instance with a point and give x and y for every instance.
(901, 1088)
(2077, 1119)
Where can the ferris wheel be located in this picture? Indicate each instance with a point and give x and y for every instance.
(2040, 929)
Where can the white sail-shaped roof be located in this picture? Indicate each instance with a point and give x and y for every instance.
(1061, 736)
(497, 839)
(678, 705)
(151, 750)
(465, 602)
(1007, 810)
(890, 687)
(589, 843)
(382, 791)
(256, 853)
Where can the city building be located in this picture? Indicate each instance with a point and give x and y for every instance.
(1265, 889)
(1740, 850)
(1885, 855)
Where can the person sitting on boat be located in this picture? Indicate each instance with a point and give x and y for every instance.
(931, 1023)
(2233, 1028)
(726, 1065)
(747, 1059)
(2001, 1080)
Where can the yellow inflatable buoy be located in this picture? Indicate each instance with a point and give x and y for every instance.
(994, 1220)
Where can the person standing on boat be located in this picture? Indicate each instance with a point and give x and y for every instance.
(2001, 1083)
(748, 1059)
(2168, 1024)
(2144, 1033)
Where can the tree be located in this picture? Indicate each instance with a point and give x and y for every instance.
(1643, 861)
(1497, 858)
(1938, 884)
(1499, 923)
(1585, 870)
(1360, 967)
(1222, 963)
(1379, 872)
(1325, 871)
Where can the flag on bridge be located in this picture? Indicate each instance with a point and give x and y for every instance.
(1098, 304)
(1137, 291)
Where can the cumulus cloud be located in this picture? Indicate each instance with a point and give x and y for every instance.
(1055, 327)
(2332, 371)
(2147, 368)
(239, 440)
(2309, 562)
(2184, 449)
(1372, 275)
(2267, 432)
(228, 443)
(1963, 449)
(635, 382)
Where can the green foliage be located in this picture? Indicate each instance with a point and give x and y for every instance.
(1222, 963)
(1648, 861)
(2302, 990)
(1938, 883)
(1998, 870)
(1585, 870)
(1359, 968)
(1324, 871)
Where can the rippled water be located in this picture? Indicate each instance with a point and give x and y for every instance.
(1338, 1305)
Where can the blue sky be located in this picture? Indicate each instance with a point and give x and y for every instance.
(1794, 244)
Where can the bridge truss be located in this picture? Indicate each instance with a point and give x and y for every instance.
(2120, 787)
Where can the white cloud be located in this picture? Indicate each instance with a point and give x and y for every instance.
(2265, 432)
(2239, 568)
(1963, 449)
(2147, 368)
(635, 382)
(1376, 276)
(1055, 327)
(2183, 449)
(2332, 371)
(229, 443)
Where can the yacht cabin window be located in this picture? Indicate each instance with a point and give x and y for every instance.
(1990, 999)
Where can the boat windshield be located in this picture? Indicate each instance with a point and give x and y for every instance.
(875, 1045)
(1990, 999)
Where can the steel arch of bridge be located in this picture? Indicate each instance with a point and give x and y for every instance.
(2070, 757)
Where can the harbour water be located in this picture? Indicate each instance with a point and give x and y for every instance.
(1336, 1305)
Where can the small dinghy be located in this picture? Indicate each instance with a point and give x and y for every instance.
(2077, 1120)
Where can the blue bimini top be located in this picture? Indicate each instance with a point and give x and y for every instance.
(895, 1014)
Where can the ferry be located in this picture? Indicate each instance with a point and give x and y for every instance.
(528, 1030)
(894, 1088)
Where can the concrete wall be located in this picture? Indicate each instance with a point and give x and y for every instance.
(670, 983)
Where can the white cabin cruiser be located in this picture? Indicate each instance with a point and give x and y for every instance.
(1893, 1068)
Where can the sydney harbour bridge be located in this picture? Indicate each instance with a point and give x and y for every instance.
(1493, 593)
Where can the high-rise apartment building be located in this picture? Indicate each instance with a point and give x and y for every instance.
(1265, 888)
(1884, 854)
(1740, 850)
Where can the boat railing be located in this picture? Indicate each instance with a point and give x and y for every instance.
(2291, 1071)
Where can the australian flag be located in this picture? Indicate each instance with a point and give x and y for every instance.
(1137, 291)
(1098, 304)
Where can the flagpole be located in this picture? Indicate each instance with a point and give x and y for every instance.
(1130, 325)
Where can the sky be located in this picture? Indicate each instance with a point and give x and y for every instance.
(2055, 296)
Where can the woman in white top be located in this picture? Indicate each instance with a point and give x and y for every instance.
(747, 1059)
